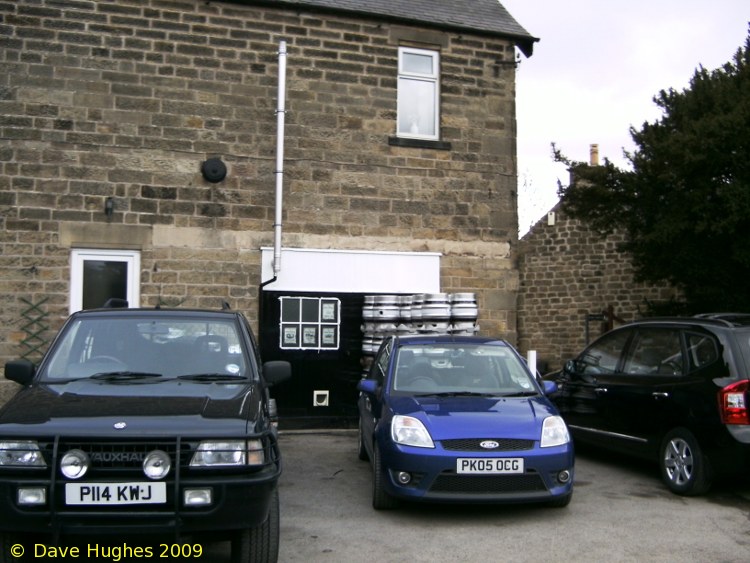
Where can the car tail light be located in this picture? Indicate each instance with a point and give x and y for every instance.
(733, 403)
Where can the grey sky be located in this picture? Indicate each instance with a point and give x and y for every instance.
(595, 71)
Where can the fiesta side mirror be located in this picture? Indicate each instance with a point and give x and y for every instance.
(550, 387)
(20, 371)
(368, 386)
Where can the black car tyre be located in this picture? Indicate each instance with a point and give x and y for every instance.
(381, 500)
(259, 544)
(361, 449)
(684, 468)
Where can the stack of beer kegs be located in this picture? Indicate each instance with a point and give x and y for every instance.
(422, 313)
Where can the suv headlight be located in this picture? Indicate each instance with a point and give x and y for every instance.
(21, 453)
(554, 432)
(228, 453)
(410, 431)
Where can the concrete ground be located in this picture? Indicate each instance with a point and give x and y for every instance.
(621, 512)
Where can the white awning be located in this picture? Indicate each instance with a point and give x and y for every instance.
(353, 271)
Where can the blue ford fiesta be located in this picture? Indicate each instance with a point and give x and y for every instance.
(461, 419)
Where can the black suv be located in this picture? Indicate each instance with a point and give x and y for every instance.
(143, 421)
(672, 390)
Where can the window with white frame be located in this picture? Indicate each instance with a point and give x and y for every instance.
(98, 275)
(418, 93)
(310, 323)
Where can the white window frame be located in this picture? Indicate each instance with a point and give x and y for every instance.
(79, 256)
(410, 76)
(322, 333)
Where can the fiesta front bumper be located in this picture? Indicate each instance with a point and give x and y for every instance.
(431, 474)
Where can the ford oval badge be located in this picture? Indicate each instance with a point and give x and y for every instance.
(489, 444)
(121, 425)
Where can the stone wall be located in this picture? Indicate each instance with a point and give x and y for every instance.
(126, 99)
(566, 273)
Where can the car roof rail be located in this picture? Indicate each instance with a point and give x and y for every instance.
(115, 303)
(706, 319)
(731, 319)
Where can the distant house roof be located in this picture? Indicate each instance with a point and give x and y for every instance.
(483, 16)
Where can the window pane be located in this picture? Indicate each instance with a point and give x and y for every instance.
(416, 105)
(603, 356)
(103, 280)
(656, 352)
(310, 310)
(421, 64)
(702, 350)
(289, 310)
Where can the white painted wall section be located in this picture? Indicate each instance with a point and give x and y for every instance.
(353, 271)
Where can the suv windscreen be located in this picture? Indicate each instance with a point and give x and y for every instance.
(168, 347)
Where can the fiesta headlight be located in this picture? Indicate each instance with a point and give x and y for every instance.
(410, 431)
(554, 432)
(228, 453)
(74, 464)
(157, 464)
(21, 453)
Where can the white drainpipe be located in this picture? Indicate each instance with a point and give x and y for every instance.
(280, 113)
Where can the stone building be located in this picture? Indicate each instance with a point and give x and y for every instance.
(140, 152)
(575, 285)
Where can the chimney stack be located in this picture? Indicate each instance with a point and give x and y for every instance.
(594, 155)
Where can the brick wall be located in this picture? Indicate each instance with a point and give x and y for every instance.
(566, 273)
(126, 98)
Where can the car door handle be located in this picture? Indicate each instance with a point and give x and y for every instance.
(600, 390)
(659, 395)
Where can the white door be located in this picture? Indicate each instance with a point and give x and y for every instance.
(98, 275)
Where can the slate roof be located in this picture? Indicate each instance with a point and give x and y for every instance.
(482, 16)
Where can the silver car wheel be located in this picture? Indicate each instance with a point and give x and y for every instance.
(678, 461)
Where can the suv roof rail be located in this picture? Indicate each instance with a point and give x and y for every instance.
(732, 319)
(115, 303)
(721, 319)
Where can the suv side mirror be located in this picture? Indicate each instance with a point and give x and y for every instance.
(570, 367)
(276, 371)
(20, 371)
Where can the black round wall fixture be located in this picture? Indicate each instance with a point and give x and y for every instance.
(214, 170)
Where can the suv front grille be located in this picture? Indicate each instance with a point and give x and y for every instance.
(117, 457)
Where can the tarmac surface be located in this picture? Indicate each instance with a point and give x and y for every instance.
(620, 512)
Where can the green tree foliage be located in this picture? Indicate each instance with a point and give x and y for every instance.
(685, 205)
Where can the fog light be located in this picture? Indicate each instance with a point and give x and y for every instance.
(198, 497)
(32, 496)
(157, 464)
(74, 464)
(403, 477)
(563, 476)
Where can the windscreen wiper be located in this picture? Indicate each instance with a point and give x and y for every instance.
(455, 394)
(123, 375)
(212, 377)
